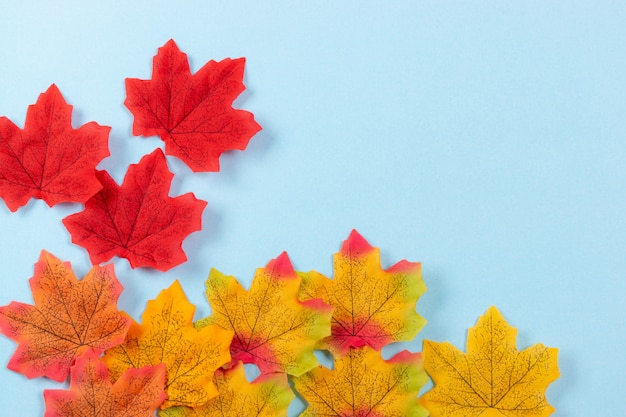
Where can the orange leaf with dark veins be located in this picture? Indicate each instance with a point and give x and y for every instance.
(49, 159)
(373, 307)
(137, 220)
(192, 113)
(273, 329)
(167, 335)
(137, 393)
(69, 317)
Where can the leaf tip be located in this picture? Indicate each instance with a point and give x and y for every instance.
(170, 44)
(493, 315)
(53, 88)
(281, 267)
(407, 267)
(406, 357)
(355, 244)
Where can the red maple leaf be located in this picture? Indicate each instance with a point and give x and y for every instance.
(137, 220)
(69, 316)
(49, 159)
(193, 114)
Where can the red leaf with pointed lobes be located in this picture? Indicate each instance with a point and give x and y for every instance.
(69, 317)
(192, 114)
(137, 220)
(49, 159)
(137, 393)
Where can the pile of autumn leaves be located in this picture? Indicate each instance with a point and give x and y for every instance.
(117, 366)
(188, 368)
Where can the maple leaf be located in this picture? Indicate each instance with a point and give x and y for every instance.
(273, 330)
(193, 114)
(268, 396)
(137, 221)
(69, 317)
(373, 307)
(49, 159)
(493, 379)
(168, 336)
(137, 393)
(363, 384)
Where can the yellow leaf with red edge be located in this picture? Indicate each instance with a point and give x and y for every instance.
(167, 335)
(493, 379)
(69, 317)
(137, 393)
(273, 329)
(268, 396)
(364, 384)
(373, 306)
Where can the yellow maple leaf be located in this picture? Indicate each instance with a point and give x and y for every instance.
(373, 307)
(268, 396)
(493, 379)
(363, 384)
(167, 335)
(273, 329)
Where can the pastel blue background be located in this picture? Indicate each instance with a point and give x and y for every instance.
(484, 139)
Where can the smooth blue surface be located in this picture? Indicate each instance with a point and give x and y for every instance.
(486, 140)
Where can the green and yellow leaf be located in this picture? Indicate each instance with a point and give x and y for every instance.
(373, 306)
(363, 384)
(273, 329)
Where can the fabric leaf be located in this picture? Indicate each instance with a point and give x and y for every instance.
(137, 220)
(363, 384)
(273, 330)
(168, 336)
(193, 114)
(137, 393)
(373, 307)
(493, 379)
(268, 396)
(49, 159)
(69, 316)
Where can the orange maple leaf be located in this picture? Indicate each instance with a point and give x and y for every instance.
(69, 316)
(168, 336)
(268, 396)
(272, 328)
(363, 384)
(493, 379)
(137, 393)
(373, 307)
